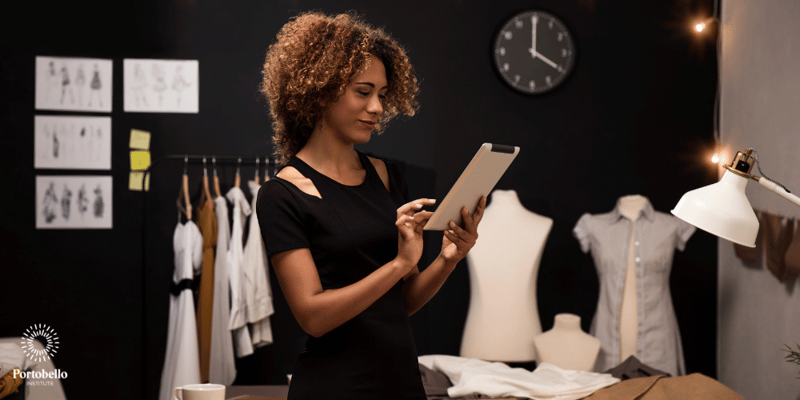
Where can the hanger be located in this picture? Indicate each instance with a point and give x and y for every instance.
(257, 161)
(238, 176)
(206, 191)
(216, 178)
(186, 205)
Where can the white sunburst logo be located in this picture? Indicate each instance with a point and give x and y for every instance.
(44, 334)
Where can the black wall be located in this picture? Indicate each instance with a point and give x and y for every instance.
(634, 117)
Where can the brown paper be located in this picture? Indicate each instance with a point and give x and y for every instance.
(792, 257)
(777, 236)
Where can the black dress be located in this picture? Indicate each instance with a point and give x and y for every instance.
(350, 232)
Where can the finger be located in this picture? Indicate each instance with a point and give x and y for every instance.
(408, 209)
(404, 226)
(416, 205)
(422, 216)
(464, 235)
(459, 242)
(469, 224)
(478, 215)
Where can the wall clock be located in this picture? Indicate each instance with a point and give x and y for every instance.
(534, 52)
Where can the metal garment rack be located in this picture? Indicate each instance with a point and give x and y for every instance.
(186, 159)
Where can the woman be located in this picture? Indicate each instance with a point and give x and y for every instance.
(343, 239)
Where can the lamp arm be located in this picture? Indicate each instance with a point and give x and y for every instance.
(777, 189)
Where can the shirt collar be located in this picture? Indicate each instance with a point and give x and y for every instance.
(647, 211)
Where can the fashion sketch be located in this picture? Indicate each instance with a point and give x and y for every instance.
(96, 85)
(153, 85)
(138, 85)
(73, 202)
(160, 85)
(65, 86)
(73, 84)
(72, 142)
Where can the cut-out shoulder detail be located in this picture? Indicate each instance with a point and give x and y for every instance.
(383, 172)
(293, 176)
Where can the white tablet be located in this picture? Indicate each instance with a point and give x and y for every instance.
(477, 180)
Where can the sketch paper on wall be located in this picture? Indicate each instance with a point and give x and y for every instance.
(73, 202)
(73, 84)
(169, 86)
(72, 142)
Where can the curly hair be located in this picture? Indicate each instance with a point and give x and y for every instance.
(313, 59)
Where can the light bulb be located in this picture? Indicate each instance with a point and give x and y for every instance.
(715, 158)
(700, 27)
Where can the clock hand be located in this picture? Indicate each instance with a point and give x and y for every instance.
(546, 60)
(534, 21)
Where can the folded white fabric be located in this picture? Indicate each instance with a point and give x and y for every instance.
(547, 382)
(11, 357)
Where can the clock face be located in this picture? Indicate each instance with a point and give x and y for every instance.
(534, 52)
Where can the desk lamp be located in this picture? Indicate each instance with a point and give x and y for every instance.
(722, 208)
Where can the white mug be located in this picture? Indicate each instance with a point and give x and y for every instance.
(204, 391)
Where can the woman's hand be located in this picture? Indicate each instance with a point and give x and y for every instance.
(410, 221)
(458, 241)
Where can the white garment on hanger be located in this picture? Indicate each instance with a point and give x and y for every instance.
(496, 379)
(182, 361)
(257, 290)
(222, 366)
(238, 322)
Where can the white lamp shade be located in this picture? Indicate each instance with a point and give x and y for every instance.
(721, 209)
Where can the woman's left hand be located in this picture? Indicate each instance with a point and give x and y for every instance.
(458, 241)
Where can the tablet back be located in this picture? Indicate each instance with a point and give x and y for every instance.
(478, 179)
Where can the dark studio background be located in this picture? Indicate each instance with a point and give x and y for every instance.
(634, 117)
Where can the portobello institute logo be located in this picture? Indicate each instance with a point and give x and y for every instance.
(47, 336)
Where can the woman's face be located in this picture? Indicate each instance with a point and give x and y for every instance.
(353, 116)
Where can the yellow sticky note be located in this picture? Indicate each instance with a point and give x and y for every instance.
(136, 181)
(140, 139)
(140, 160)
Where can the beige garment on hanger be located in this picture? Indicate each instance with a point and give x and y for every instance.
(207, 221)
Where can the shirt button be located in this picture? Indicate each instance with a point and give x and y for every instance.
(636, 243)
(638, 259)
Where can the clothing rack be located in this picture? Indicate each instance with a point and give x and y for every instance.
(186, 159)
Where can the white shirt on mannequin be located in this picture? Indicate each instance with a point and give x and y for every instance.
(503, 316)
(566, 346)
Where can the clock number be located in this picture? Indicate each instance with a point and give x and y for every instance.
(550, 25)
(560, 36)
(505, 67)
(507, 35)
(501, 51)
(564, 52)
(532, 85)
(518, 23)
(516, 79)
(548, 80)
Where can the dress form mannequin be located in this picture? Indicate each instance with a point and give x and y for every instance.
(503, 316)
(630, 207)
(633, 259)
(566, 346)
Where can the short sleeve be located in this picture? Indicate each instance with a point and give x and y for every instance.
(582, 231)
(280, 219)
(683, 232)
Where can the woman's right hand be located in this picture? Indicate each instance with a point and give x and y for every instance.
(410, 222)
